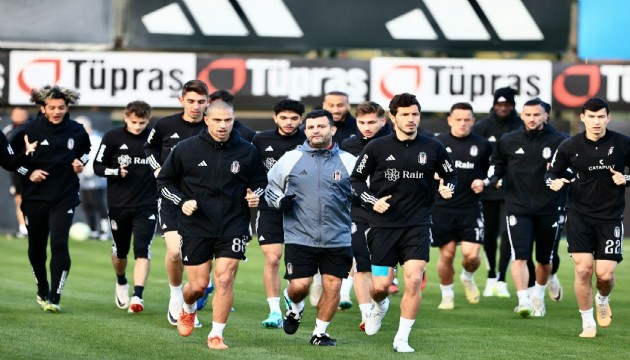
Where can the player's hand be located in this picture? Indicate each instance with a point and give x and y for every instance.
(157, 172)
(381, 205)
(557, 184)
(286, 203)
(445, 191)
(189, 207)
(618, 177)
(123, 171)
(38, 176)
(30, 147)
(252, 198)
(477, 186)
(77, 165)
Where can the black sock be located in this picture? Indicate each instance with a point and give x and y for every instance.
(137, 291)
(121, 279)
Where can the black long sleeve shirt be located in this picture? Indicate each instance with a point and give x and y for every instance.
(138, 188)
(216, 175)
(168, 132)
(521, 159)
(593, 193)
(57, 147)
(271, 146)
(471, 156)
(405, 170)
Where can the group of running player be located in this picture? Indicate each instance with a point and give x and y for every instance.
(349, 197)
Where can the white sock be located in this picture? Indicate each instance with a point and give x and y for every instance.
(404, 328)
(190, 308)
(601, 300)
(346, 287)
(365, 310)
(523, 297)
(320, 327)
(217, 329)
(447, 290)
(539, 290)
(176, 291)
(22, 229)
(297, 307)
(588, 321)
(274, 304)
(467, 276)
(552, 277)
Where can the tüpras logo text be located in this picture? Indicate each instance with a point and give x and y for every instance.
(278, 78)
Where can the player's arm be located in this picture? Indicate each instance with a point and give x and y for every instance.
(169, 178)
(447, 173)
(277, 179)
(555, 174)
(257, 182)
(104, 160)
(153, 149)
(498, 165)
(363, 168)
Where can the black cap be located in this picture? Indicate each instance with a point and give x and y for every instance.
(505, 94)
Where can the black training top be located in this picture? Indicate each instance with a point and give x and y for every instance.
(271, 146)
(138, 188)
(169, 131)
(216, 175)
(521, 160)
(593, 193)
(471, 155)
(57, 147)
(404, 170)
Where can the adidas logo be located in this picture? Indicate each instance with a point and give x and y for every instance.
(520, 151)
(492, 139)
(124, 147)
(152, 217)
(303, 172)
(202, 163)
(269, 148)
(70, 211)
(448, 149)
(164, 226)
(186, 258)
(45, 142)
(175, 136)
(261, 238)
(390, 158)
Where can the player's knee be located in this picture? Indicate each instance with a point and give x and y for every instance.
(584, 272)
(605, 278)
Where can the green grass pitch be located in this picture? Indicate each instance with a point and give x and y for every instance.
(90, 325)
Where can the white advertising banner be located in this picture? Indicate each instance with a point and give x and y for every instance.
(439, 83)
(103, 78)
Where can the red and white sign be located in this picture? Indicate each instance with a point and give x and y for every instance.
(103, 78)
(439, 83)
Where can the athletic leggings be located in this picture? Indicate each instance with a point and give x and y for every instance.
(44, 219)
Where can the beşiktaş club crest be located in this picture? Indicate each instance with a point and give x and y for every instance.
(617, 232)
(337, 175)
(70, 144)
(124, 160)
(422, 158)
(114, 225)
(610, 151)
(235, 167)
(546, 153)
(289, 268)
(474, 151)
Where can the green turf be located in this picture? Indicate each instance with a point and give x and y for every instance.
(90, 325)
